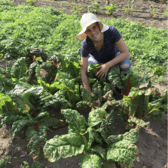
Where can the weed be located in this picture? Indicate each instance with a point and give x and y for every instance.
(94, 7)
(127, 10)
(31, 2)
(152, 12)
(76, 10)
(166, 12)
(111, 8)
(25, 164)
(4, 164)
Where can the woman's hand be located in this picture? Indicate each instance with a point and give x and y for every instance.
(103, 70)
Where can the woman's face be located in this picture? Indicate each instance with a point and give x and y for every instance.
(93, 32)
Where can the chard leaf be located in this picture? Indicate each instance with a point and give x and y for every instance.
(6, 103)
(137, 101)
(124, 150)
(93, 137)
(77, 122)
(84, 104)
(154, 111)
(91, 161)
(100, 150)
(90, 137)
(33, 91)
(63, 146)
(108, 123)
(114, 76)
(62, 75)
(18, 125)
(96, 116)
(6, 84)
(19, 69)
(145, 79)
(106, 127)
(37, 139)
(85, 94)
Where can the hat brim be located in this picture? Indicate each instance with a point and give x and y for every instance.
(82, 35)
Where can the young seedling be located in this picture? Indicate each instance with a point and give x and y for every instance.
(94, 7)
(31, 2)
(152, 12)
(127, 10)
(166, 13)
(111, 8)
(76, 10)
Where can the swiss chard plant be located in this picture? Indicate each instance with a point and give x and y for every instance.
(94, 140)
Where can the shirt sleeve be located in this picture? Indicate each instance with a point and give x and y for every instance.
(84, 50)
(116, 36)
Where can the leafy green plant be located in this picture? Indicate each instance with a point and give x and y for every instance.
(94, 7)
(34, 165)
(4, 164)
(95, 140)
(166, 12)
(111, 8)
(127, 10)
(76, 10)
(31, 2)
(152, 12)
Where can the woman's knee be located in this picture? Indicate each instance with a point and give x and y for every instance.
(125, 65)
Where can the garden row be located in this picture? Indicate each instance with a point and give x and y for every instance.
(41, 44)
(110, 7)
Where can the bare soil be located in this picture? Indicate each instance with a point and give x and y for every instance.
(152, 143)
(141, 11)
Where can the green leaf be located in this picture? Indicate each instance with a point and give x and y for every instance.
(154, 111)
(6, 103)
(84, 104)
(114, 76)
(124, 150)
(96, 116)
(19, 68)
(90, 161)
(85, 94)
(36, 139)
(106, 127)
(158, 71)
(139, 122)
(63, 146)
(18, 125)
(77, 122)
(92, 137)
(100, 150)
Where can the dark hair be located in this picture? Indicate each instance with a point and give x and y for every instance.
(98, 25)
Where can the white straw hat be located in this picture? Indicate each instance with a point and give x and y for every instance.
(86, 20)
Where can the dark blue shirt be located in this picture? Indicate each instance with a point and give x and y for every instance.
(109, 49)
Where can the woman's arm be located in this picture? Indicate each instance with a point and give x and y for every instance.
(124, 53)
(84, 66)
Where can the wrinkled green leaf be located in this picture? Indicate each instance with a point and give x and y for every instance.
(63, 146)
(77, 122)
(96, 116)
(90, 161)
